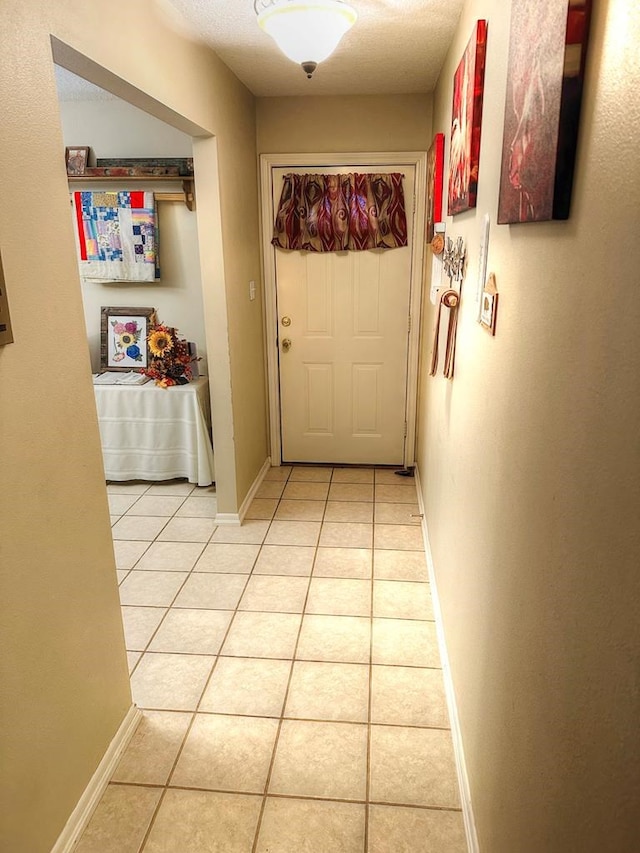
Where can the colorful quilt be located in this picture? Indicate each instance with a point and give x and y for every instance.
(117, 235)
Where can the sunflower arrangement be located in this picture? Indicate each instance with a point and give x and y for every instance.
(169, 357)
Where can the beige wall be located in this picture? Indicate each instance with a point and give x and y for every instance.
(64, 675)
(358, 123)
(198, 94)
(529, 468)
(345, 123)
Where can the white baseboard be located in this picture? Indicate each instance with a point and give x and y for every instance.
(90, 798)
(461, 767)
(237, 518)
(227, 518)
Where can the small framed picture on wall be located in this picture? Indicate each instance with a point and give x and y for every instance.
(489, 305)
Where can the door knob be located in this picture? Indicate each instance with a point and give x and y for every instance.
(286, 321)
(286, 344)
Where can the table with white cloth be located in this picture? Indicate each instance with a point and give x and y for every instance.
(153, 433)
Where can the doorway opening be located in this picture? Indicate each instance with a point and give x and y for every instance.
(342, 330)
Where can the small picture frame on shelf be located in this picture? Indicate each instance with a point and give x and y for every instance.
(76, 158)
(123, 337)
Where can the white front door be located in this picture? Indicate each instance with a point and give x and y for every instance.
(343, 326)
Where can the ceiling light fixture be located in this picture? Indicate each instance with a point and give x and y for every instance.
(306, 31)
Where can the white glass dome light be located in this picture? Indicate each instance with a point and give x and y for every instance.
(306, 31)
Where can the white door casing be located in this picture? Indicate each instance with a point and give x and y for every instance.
(343, 375)
(332, 396)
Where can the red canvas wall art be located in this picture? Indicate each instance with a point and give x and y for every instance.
(435, 166)
(466, 123)
(544, 90)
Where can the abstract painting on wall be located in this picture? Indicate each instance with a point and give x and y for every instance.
(466, 123)
(545, 78)
(435, 166)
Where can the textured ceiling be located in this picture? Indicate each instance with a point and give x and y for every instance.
(395, 47)
(74, 88)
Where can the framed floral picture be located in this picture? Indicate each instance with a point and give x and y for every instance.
(123, 337)
(466, 123)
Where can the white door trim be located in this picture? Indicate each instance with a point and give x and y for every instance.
(394, 159)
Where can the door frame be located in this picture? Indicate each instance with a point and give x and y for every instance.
(388, 159)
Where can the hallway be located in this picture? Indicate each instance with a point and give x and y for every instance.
(288, 673)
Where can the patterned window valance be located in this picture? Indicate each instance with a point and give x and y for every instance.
(335, 213)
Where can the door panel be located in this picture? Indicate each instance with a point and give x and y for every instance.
(343, 379)
(318, 396)
(367, 399)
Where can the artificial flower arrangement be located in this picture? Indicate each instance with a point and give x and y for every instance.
(169, 357)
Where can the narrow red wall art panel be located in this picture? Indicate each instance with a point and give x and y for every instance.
(466, 123)
(435, 166)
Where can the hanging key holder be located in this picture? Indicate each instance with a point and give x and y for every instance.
(453, 264)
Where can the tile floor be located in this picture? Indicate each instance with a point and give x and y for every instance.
(288, 672)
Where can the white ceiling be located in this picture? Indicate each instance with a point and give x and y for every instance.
(395, 47)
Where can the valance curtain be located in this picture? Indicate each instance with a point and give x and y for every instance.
(336, 213)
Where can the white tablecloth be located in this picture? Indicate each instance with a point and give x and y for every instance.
(151, 433)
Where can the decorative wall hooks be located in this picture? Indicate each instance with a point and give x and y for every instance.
(437, 244)
(449, 299)
(453, 259)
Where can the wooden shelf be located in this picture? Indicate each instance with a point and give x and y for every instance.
(187, 196)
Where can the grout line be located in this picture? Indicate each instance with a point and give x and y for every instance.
(369, 704)
(137, 560)
(194, 713)
(367, 802)
(329, 614)
(265, 657)
(277, 574)
(165, 788)
(222, 642)
(281, 716)
(305, 797)
(179, 751)
(168, 607)
(267, 781)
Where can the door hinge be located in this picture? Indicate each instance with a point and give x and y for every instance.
(405, 429)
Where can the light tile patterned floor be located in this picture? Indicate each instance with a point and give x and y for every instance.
(288, 670)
